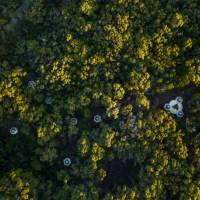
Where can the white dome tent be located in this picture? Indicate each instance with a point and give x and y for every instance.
(97, 119)
(13, 131)
(67, 162)
(74, 121)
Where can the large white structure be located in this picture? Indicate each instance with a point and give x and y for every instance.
(175, 107)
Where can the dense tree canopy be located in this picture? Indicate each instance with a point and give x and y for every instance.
(87, 80)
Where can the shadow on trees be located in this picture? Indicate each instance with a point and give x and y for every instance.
(119, 173)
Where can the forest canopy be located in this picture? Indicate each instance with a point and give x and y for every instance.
(99, 99)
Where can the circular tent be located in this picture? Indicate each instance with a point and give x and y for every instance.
(13, 131)
(97, 118)
(74, 121)
(67, 162)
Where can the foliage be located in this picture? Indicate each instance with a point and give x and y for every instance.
(64, 62)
